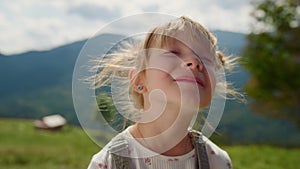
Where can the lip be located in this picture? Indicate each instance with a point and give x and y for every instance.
(190, 79)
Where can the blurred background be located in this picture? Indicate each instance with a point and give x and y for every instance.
(40, 42)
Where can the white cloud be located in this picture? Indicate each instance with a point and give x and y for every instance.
(38, 25)
(92, 11)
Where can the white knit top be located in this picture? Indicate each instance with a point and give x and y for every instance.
(218, 159)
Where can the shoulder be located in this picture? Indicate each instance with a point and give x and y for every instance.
(101, 160)
(104, 158)
(218, 158)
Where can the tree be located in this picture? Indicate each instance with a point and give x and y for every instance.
(109, 112)
(106, 107)
(272, 56)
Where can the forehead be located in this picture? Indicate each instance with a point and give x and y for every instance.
(178, 39)
(174, 44)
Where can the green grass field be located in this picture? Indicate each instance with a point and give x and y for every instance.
(22, 146)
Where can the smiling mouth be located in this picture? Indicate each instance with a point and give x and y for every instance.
(190, 79)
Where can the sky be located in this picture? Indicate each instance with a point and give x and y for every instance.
(27, 25)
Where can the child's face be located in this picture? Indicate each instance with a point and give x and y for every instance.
(180, 75)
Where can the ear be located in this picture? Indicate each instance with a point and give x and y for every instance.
(137, 81)
(131, 74)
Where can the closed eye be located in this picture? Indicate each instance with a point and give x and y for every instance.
(175, 52)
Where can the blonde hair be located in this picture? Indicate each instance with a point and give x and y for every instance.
(128, 56)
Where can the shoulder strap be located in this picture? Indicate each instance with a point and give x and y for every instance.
(200, 148)
(117, 148)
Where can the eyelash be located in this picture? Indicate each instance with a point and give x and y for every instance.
(174, 52)
(203, 60)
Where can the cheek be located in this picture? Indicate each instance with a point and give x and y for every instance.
(163, 62)
(156, 79)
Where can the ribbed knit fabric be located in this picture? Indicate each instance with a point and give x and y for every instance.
(186, 161)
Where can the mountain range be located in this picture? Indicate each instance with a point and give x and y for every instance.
(39, 83)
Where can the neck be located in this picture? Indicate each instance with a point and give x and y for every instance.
(161, 146)
(183, 147)
(171, 117)
(168, 134)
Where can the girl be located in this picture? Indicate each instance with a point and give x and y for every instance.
(173, 76)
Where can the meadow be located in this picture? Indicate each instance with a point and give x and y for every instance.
(22, 146)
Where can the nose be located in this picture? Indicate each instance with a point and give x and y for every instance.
(194, 64)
